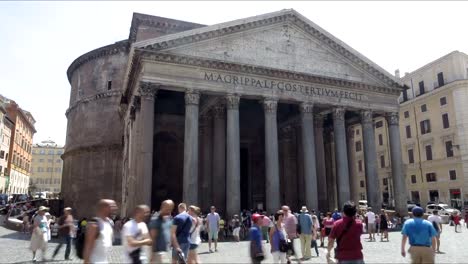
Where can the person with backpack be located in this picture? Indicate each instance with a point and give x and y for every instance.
(66, 231)
(135, 235)
(436, 221)
(347, 233)
(180, 233)
(160, 230)
(95, 244)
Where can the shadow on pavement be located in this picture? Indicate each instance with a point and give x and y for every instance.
(17, 236)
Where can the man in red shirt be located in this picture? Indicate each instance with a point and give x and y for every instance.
(347, 232)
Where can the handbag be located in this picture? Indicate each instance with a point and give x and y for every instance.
(341, 236)
(135, 256)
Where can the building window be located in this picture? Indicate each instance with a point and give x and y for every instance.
(406, 114)
(408, 131)
(443, 101)
(360, 165)
(449, 148)
(58, 169)
(445, 121)
(440, 79)
(49, 169)
(434, 195)
(357, 131)
(361, 184)
(50, 160)
(2, 154)
(51, 152)
(428, 152)
(109, 85)
(453, 175)
(41, 160)
(421, 87)
(380, 140)
(413, 179)
(405, 95)
(415, 196)
(358, 146)
(425, 126)
(431, 177)
(423, 108)
(410, 156)
(385, 181)
(382, 161)
(378, 124)
(58, 160)
(42, 151)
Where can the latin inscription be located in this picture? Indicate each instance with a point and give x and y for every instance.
(281, 86)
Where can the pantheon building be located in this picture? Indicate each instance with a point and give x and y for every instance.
(252, 113)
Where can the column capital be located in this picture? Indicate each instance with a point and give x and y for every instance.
(339, 113)
(218, 111)
(148, 90)
(287, 132)
(232, 101)
(192, 97)
(392, 118)
(366, 116)
(270, 105)
(306, 107)
(319, 119)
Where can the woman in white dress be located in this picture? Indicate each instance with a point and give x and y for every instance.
(194, 238)
(40, 232)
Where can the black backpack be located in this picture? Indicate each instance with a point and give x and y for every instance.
(81, 238)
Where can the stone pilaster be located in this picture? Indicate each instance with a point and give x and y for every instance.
(310, 173)
(233, 193)
(398, 175)
(320, 163)
(272, 188)
(206, 137)
(144, 180)
(342, 173)
(190, 184)
(374, 197)
(218, 181)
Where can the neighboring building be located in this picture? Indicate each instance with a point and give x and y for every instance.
(222, 115)
(6, 126)
(434, 134)
(19, 158)
(46, 168)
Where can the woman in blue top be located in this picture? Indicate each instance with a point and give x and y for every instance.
(276, 235)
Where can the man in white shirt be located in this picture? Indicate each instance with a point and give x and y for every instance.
(370, 223)
(436, 221)
(135, 235)
(212, 225)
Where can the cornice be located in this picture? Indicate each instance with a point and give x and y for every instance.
(121, 46)
(290, 16)
(93, 98)
(92, 148)
(252, 69)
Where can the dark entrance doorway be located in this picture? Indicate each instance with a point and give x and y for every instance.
(245, 178)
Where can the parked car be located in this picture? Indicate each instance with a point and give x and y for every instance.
(363, 204)
(444, 209)
(410, 205)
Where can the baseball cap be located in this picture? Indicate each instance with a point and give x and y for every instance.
(256, 217)
(417, 211)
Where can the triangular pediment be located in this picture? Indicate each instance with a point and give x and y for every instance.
(284, 40)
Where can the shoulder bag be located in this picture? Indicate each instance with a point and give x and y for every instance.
(348, 226)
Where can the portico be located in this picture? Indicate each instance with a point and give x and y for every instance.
(237, 115)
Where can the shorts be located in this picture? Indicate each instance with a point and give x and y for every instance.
(236, 231)
(327, 231)
(371, 227)
(185, 249)
(213, 235)
(193, 246)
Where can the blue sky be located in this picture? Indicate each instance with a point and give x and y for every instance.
(39, 40)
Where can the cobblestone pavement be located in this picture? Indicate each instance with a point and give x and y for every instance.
(14, 249)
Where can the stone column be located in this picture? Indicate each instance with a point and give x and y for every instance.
(353, 176)
(272, 188)
(148, 94)
(342, 173)
(218, 179)
(233, 193)
(374, 197)
(310, 173)
(399, 186)
(190, 184)
(320, 163)
(206, 136)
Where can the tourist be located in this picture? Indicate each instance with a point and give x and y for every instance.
(436, 222)
(456, 221)
(255, 235)
(195, 240)
(278, 239)
(99, 232)
(265, 227)
(135, 235)
(370, 221)
(336, 215)
(235, 223)
(466, 219)
(160, 230)
(383, 225)
(290, 225)
(422, 236)
(66, 232)
(222, 230)
(347, 234)
(306, 225)
(39, 235)
(315, 233)
(213, 228)
(377, 224)
(180, 233)
(328, 223)
(26, 225)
